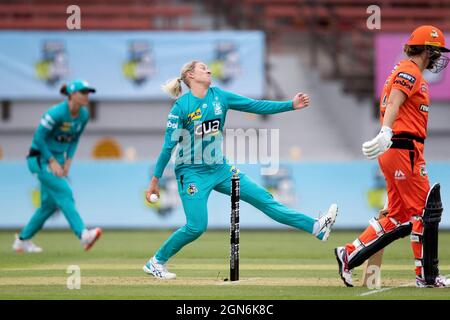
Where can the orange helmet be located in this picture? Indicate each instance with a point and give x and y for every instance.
(428, 36)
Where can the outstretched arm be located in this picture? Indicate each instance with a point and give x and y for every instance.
(241, 103)
(300, 101)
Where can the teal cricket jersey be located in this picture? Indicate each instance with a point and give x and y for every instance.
(202, 122)
(58, 132)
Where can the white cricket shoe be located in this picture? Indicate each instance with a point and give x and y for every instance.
(326, 223)
(158, 270)
(440, 282)
(344, 272)
(89, 237)
(25, 246)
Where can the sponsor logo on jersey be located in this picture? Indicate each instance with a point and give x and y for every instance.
(217, 107)
(207, 127)
(423, 171)
(424, 108)
(391, 74)
(423, 87)
(64, 138)
(66, 126)
(192, 189)
(197, 114)
(403, 83)
(384, 101)
(399, 175)
(172, 125)
(172, 121)
(407, 76)
(218, 110)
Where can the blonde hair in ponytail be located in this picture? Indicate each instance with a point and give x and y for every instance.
(173, 87)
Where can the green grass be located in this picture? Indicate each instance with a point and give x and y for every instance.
(274, 265)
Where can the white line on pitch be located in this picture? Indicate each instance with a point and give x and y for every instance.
(387, 289)
(384, 289)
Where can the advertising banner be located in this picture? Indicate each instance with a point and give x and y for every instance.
(112, 194)
(126, 65)
(389, 51)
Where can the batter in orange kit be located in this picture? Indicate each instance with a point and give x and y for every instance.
(414, 208)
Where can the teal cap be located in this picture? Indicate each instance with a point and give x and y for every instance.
(78, 85)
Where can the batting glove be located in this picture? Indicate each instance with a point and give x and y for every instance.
(377, 146)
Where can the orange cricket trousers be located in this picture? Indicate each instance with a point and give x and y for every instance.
(407, 184)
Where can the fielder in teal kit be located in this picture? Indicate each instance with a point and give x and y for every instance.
(196, 125)
(53, 147)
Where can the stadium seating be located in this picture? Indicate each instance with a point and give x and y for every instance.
(96, 14)
(338, 27)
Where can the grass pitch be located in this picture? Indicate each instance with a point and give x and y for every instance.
(273, 265)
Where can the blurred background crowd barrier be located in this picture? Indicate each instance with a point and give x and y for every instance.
(112, 194)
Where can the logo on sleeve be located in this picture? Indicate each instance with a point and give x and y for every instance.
(47, 121)
(384, 101)
(172, 121)
(403, 83)
(424, 108)
(407, 76)
(172, 125)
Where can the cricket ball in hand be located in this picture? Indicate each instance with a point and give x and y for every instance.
(153, 198)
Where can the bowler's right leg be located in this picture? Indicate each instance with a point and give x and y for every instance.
(194, 191)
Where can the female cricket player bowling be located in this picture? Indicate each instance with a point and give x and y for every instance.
(413, 207)
(196, 122)
(52, 150)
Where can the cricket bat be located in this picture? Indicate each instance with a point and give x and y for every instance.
(371, 276)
